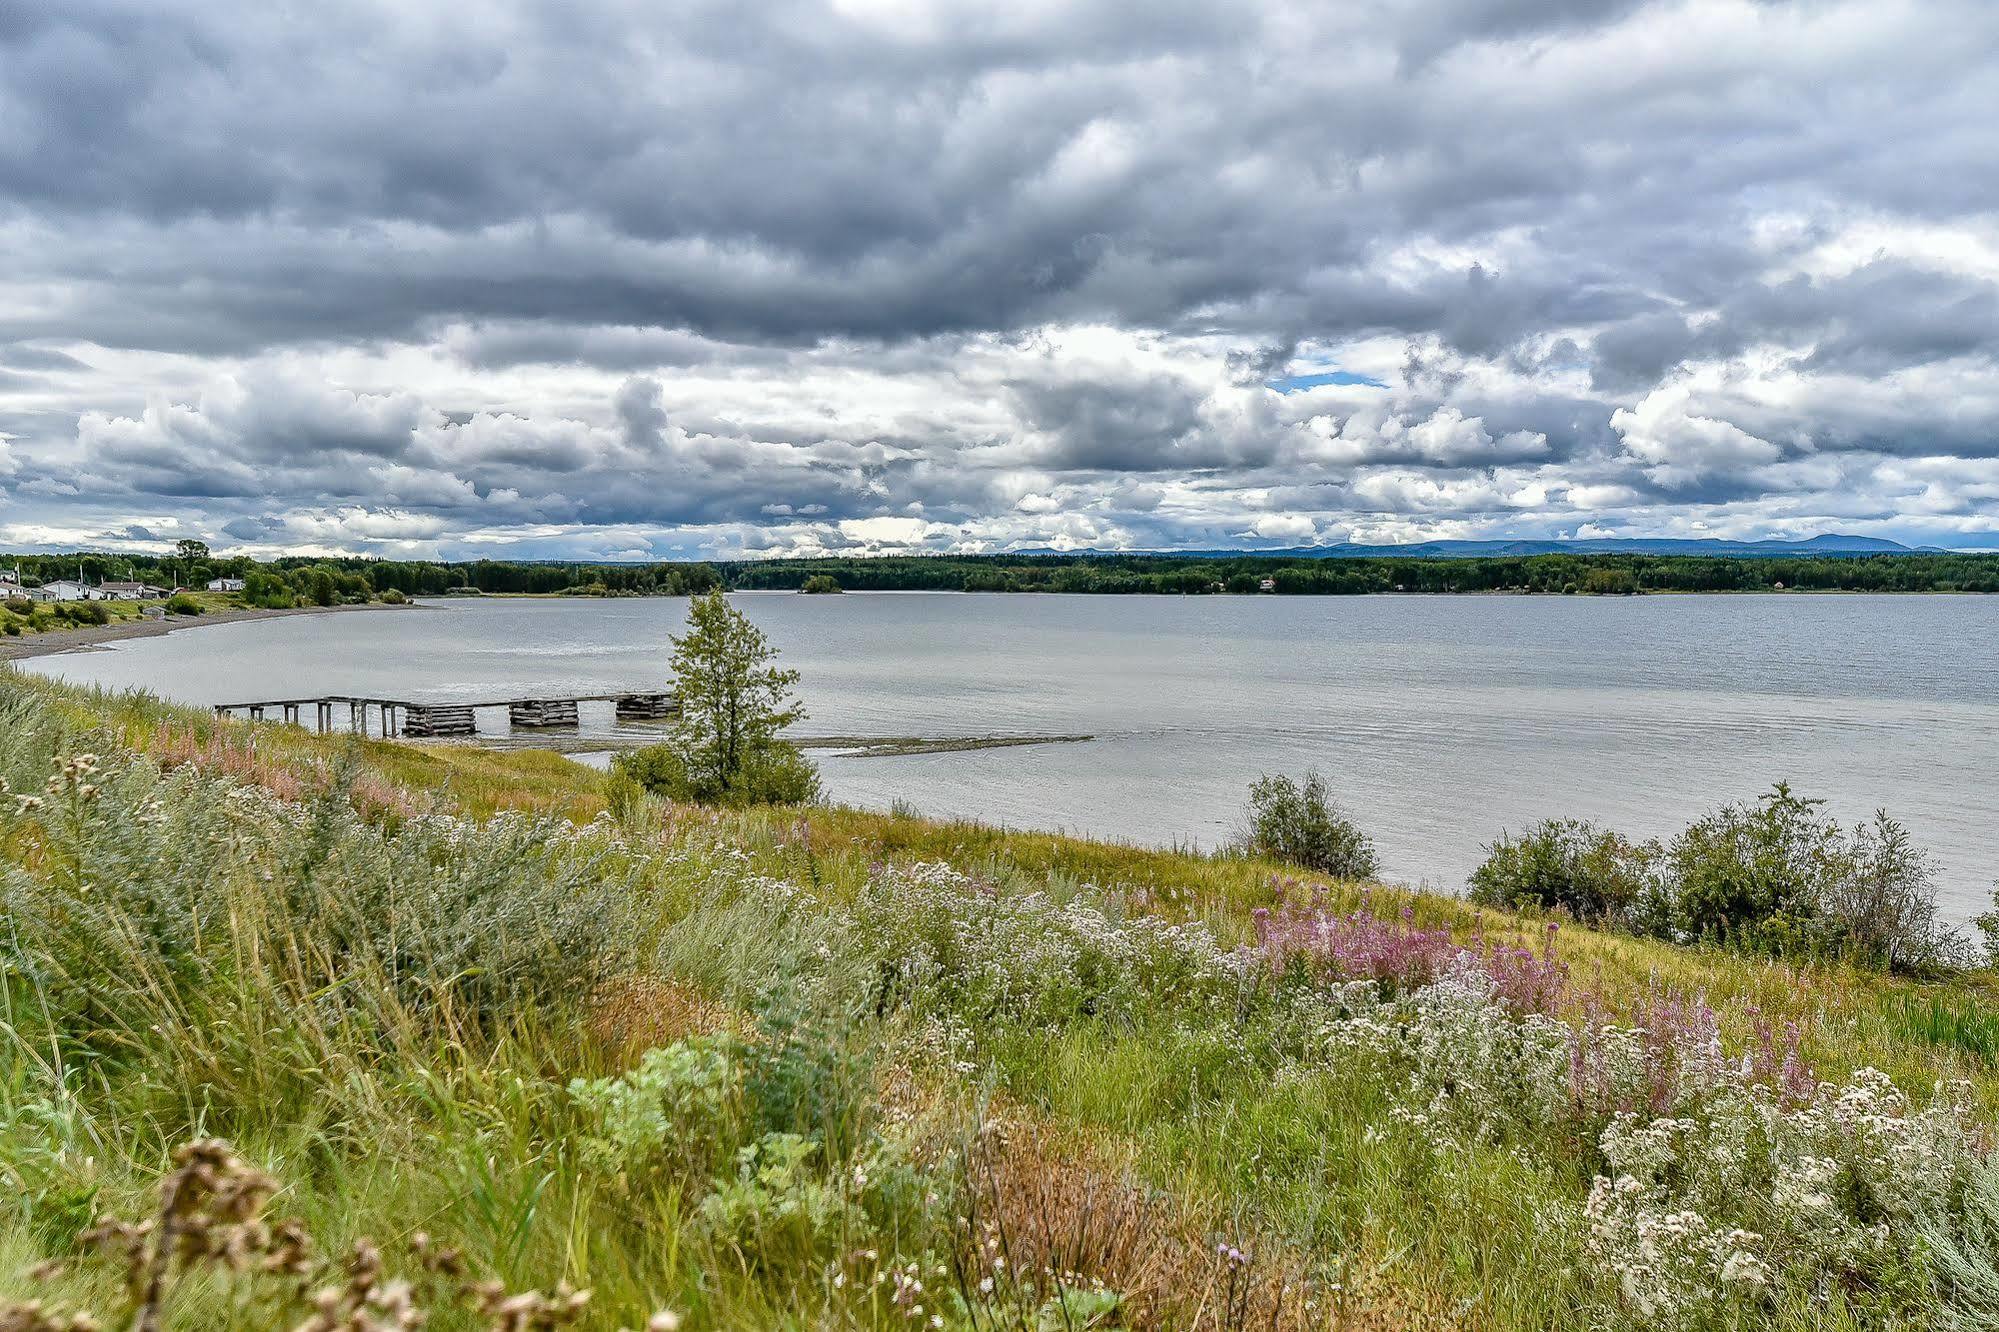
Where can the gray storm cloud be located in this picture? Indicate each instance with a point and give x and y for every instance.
(689, 278)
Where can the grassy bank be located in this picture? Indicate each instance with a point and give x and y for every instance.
(780, 1068)
(20, 617)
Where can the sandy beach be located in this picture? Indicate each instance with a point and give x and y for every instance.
(85, 637)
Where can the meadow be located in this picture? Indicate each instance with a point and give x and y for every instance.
(494, 1040)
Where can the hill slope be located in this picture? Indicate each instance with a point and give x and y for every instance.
(833, 1069)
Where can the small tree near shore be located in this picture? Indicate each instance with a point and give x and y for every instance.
(727, 748)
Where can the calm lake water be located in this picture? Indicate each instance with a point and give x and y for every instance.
(1438, 720)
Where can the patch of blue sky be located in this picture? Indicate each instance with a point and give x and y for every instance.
(1299, 383)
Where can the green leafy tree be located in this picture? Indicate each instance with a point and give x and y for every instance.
(192, 555)
(727, 747)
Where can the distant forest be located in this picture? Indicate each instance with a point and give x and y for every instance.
(1156, 573)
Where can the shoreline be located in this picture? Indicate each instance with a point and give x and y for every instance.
(85, 638)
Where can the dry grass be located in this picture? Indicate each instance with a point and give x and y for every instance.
(1048, 1210)
(636, 1013)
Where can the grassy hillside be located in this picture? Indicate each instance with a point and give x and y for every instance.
(825, 1068)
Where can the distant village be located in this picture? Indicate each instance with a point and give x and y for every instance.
(68, 589)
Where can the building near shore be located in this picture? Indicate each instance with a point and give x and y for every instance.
(129, 592)
(63, 589)
(225, 585)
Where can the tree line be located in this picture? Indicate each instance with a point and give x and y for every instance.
(1296, 576)
(325, 580)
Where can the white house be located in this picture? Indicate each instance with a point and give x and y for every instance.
(10, 577)
(64, 589)
(129, 592)
(225, 585)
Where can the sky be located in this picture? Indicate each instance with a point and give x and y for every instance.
(651, 279)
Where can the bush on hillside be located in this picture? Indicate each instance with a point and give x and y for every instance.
(1753, 876)
(1777, 876)
(1590, 872)
(1298, 822)
(772, 773)
(1885, 903)
(180, 603)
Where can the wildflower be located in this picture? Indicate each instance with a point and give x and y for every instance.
(1744, 1269)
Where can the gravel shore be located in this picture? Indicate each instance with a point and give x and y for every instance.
(85, 637)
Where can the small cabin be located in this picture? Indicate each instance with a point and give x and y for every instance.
(225, 585)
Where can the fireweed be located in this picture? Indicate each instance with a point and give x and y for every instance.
(1398, 953)
(1727, 1179)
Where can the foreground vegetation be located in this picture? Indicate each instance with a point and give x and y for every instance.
(486, 1032)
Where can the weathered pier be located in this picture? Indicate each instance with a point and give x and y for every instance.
(391, 717)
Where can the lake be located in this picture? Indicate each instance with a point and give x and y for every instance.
(1438, 721)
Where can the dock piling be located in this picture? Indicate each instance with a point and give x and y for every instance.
(400, 717)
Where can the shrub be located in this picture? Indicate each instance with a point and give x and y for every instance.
(18, 605)
(1590, 872)
(1753, 875)
(1781, 876)
(492, 915)
(819, 583)
(773, 773)
(676, 1118)
(394, 597)
(1299, 823)
(180, 603)
(1884, 902)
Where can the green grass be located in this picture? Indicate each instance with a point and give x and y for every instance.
(386, 1017)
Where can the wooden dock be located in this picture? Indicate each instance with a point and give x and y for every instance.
(392, 717)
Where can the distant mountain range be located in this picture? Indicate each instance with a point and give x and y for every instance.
(1829, 544)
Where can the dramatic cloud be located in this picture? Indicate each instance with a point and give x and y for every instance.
(626, 279)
